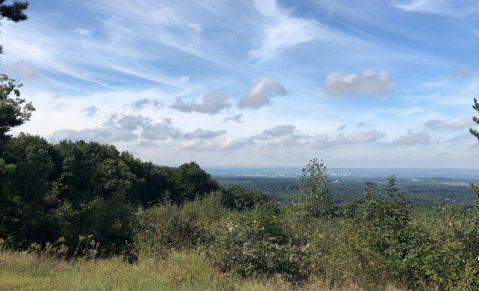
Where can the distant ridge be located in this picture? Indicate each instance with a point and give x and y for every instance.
(353, 172)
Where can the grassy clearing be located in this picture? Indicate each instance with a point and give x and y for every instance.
(180, 271)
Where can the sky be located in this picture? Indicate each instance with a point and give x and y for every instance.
(359, 84)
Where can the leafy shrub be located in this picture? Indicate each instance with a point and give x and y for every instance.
(255, 242)
(373, 235)
(167, 227)
(444, 250)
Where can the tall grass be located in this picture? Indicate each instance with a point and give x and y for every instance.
(179, 271)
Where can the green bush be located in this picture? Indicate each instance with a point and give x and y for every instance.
(164, 228)
(444, 251)
(255, 242)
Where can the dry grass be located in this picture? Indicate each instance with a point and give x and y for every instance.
(181, 271)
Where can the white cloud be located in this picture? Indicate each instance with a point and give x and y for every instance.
(370, 82)
(322, 142)
(226, 145)
(361, 137)
(456, 123)
(281, 30)
(212, 103)
(161, 131)
(91, 111)
(236, 118)
(128, 122)
(410, 138)
(280, 130)
(203, 134)
(455, 8)
(260, 93)
(138, 105)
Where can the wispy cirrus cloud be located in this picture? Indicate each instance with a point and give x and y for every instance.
(455, 8)
(281, 30)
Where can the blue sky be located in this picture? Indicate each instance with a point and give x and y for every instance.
(366, 83)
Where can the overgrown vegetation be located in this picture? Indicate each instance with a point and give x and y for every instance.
(105, 204)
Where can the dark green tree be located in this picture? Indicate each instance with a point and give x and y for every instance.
(189, 181)
(13, 110)
(29, 162)
(14, 12)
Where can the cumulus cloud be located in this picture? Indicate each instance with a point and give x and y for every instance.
(370, 82)
(91, 111)
(128, 122)
(101, 135)
(410, 138)
(463, 71)
(456, 123)
(212, 103)
(145, 102)
(203, 134)
(236, 118)
(293, 141)
(260, 93)
(280, 130)
(458, 139)
(146, 144)
(362, 137)
(162, 130)
(227, 145)
(342, 127)
(133, 122)
(322, 142)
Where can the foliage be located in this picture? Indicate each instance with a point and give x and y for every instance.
(28, 163)
(314, 193)
(14, 12)
(50, 250)
(13, 109)
(239, 198)
(255, 242)
(164, 228)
